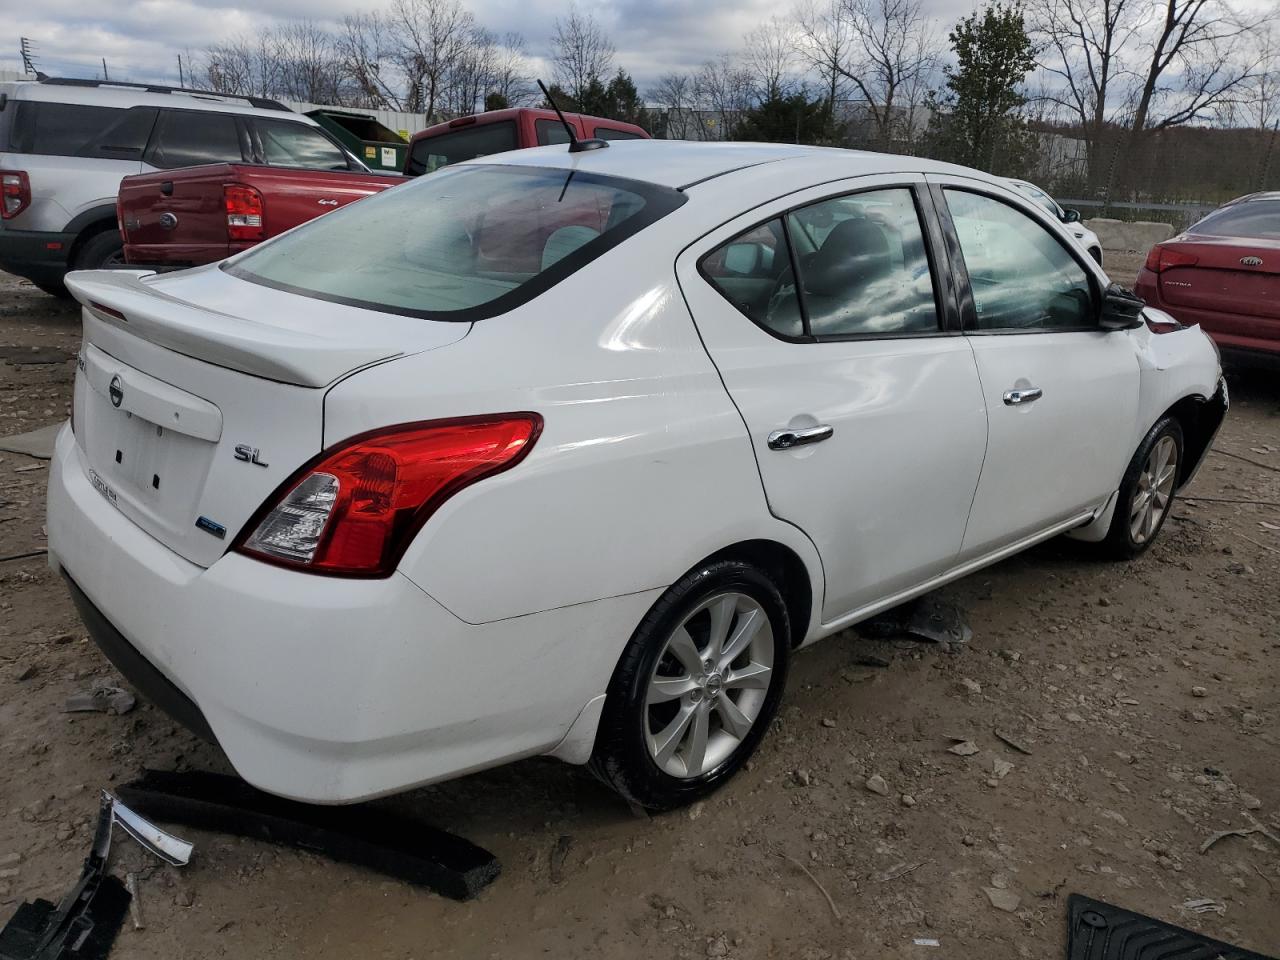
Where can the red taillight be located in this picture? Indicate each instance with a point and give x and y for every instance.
(244, 212)
(354, 510)
(15, 193)
(1163, 258)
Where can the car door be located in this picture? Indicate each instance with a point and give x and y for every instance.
(1061, 393)
(822, 315)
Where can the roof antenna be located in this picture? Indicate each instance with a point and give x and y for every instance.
(575, 145)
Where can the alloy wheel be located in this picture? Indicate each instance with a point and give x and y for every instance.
(709, 685)
(1154, 490)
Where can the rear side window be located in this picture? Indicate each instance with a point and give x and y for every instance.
(186, 138)
(432, 153)
(1253, 218)
(467, 243)
(59, 129)
(851, 266)
(550, 132)
(608, 133)
(290, 144)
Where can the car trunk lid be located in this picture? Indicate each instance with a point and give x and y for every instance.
(1228, 276)
(188, 417)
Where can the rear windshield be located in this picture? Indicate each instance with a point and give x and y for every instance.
(1253, 218)
(461, 244)
(432, 153)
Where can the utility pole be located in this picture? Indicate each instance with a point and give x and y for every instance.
(105, 75)
(28, 55)
(181, 81)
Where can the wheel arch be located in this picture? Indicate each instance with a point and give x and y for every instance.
(89, 224)
(1199, 417)
(788, 572)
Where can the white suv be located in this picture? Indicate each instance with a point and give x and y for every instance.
(66, 144)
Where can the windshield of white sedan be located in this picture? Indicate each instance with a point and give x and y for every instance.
(460, 244)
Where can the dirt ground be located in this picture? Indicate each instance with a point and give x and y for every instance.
(1145, 694)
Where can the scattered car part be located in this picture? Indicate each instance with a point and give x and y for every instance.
(381, 841)
(83, 926)
(928, 618)
(1100, 931)
(113, 700)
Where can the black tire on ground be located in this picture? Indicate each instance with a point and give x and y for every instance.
(1121, 543)
(100, 250)
(622, 757)
(54, 290)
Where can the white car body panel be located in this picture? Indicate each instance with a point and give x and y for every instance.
(497, 635)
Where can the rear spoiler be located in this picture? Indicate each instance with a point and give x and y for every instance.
(122, 298)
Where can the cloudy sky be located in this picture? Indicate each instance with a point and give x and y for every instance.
(141, 39)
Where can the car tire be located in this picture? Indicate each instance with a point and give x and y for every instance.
(104, 249)
(674, 671)
(1146, 492)
(54, 290)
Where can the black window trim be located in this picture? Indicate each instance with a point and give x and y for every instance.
(925, 215)
(960, 270)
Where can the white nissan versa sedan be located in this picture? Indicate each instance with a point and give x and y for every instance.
(566, 452)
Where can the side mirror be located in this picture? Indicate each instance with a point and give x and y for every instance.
(1070, 216)
(1121, 308)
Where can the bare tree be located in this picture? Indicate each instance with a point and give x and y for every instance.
(431, 36)
(894, 58)
(674, 93)
(309, 66)
(825, 40)
(725, 90)
(367, 50)
(510, 79)
(581, 52)
(769, 54)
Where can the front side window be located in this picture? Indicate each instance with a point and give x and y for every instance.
(432, 153)
(1023, 278)
(467, 243)
(288, 143)
(187, 138)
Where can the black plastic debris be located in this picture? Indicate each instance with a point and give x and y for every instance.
(927, 617)
(1099, 931)
(377, 839)
(83, 926)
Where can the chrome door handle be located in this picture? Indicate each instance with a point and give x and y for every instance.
(786, 439)
(1014, 397)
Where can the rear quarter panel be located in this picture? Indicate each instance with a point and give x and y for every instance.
(643, 468)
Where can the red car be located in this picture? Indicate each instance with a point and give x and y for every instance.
(1224, 274)
(500, 130)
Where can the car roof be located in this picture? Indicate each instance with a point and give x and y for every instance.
(511, 113)
(682, 164)
(104, 94)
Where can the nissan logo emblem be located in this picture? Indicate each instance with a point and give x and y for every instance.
(1251, 261)
(116, 392)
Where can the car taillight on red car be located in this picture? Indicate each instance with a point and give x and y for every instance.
(15, 193)
(1162, 258)
(354, 510)
(244, 212)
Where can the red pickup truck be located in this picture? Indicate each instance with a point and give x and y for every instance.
(195, 215)
(184, 218)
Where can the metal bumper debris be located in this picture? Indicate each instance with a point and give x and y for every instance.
(405, 849)
(83, 926)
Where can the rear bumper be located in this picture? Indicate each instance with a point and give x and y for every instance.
(40, 257)
(316, 688)
(1212, 322)
(179, 256)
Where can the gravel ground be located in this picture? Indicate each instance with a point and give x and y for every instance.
(1145, 695)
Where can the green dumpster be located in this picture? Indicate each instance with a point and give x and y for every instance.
(379, 147)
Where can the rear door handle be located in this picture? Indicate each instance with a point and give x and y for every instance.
(1026, 395)
(786, 439)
